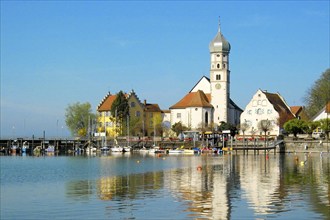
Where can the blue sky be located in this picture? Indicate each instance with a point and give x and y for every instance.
(56, 53)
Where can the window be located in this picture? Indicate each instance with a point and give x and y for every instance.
(196, 109)
(218, 66)
(259, 111)
(218, 77)
(178, 115)
(218, 55)
(224, 65)
(206, 118)
(137, 113)
(269, 111)
(132, 104)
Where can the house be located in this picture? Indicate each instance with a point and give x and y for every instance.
(208, 102)
(324, 113)
(143, 117)
(265, 106)
(299, 112)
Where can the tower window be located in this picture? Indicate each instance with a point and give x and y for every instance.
(218, 77)
(218, 66)
(224, 65)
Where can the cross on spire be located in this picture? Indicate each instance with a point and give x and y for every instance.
(219, 30)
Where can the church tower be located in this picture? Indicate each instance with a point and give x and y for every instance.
(220, 77)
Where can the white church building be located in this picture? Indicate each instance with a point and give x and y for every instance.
(208, 102)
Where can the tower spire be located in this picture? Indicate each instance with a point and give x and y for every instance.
(219, 30)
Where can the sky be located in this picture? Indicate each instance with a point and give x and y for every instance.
(57, 53)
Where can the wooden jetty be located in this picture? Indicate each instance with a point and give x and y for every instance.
(257, 148)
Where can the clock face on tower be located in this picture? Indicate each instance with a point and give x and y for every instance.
(218, 86)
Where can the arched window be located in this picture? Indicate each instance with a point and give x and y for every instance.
(218, 77)
(206, 118)
(218, 66)
(224, 65)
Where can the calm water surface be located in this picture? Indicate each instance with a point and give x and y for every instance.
(135, 186)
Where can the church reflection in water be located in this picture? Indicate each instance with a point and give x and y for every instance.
(264, 184)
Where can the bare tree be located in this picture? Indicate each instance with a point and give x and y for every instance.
(265, 126)
(244, 127)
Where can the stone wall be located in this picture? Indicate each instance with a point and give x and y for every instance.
(306, 146)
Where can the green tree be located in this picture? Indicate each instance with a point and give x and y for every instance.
(178, 128)
(325, 126)
(157, 123)
(318, 95)
(227, 126)
(295, 126)
(78, 117)
(310, 126)
(120, 110)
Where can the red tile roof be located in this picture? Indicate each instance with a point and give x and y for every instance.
(106, 103)
(296, 109)
(152, 108)
(194, 99)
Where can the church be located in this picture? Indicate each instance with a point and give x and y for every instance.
(208, 103)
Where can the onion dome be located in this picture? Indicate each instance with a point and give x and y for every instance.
(219, 43)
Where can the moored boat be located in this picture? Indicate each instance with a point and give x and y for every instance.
(117, 149)
(25, 147)
(157, 150)
(188, 151)
(91, 149)
(50, 149)
(175, 151)
(105, 149)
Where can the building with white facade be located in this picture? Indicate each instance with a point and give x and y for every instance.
(266, 106)
(324, 113)
(208, 102)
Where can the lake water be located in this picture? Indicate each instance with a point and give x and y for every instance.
(135, 186)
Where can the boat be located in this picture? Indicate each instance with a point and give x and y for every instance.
(90, 149)
(104, 149)
(157, 150)
(25, 147)
(37, 150)
(175, 151)
(189, 151)
(127, 149)
(50, 149)
(14, 147)
(117, 149)
(144, 150)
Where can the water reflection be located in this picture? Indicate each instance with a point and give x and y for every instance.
(218, 187)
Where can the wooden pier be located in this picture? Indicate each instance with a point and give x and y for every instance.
(256, 149)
